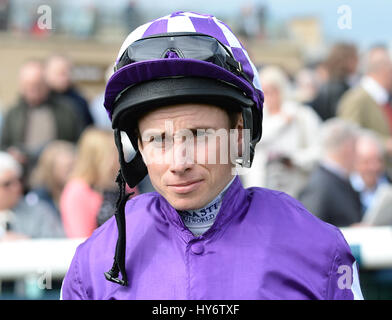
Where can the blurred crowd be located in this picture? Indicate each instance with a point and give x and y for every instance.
(326, 141)
(327, 136)
(58, 162)
(79, 19)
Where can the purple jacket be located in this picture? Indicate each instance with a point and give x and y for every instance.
(263, 245)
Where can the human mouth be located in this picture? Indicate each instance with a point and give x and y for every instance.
(185, 187)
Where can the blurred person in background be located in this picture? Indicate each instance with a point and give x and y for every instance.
(93, 176)
(132, 15)
(321, 70)
(37, 118)
(289, 148)
(329, 194)
(58, 73)
(49, 177)
(368, 104)
(22, 217)
(306, 85)
(370, 174)
(341, 64)
(249, 25)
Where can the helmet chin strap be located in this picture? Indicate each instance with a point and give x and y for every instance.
(119, 258)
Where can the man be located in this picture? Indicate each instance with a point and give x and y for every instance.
(369, 175)
(179, 81)
(22, 217)
(341, 64)
(368, 104)
(329, 194)
(58, 76)
(37, 118)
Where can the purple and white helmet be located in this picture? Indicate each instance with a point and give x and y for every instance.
(184, 57)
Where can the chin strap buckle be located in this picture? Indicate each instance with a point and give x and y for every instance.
(111, 276)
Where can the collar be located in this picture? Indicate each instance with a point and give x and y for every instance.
(359, 185)
(357, 182)
(235, 202)
(375, 90)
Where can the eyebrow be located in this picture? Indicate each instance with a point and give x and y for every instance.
(157, 132)
(201, 128)
(192, 129)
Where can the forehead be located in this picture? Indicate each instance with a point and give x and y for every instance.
(7, 174)
(367, 148)
(184, 116)
(31, 73)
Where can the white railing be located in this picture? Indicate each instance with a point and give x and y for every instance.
(374, 245)
(52, 257)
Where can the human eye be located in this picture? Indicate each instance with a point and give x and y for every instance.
(161, 141)
(200, 133)
(157, 140)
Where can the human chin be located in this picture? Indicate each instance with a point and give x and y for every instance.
(191, 200)
(186, 203)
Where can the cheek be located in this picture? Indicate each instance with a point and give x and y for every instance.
(156, 172)
(11, 197)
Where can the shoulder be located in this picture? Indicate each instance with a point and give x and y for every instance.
(309, 113)
(322, 173)
(320, 179)
(36, 218)
(74, 93)
(32, 206)
(308, 242)
(15, 110)
(304, 114)
(356, 95)
(78, 193)
(287, 213)
(62, 104)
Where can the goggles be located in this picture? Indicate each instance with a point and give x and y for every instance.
(188, 45)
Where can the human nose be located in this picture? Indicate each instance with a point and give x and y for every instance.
(181, 157)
